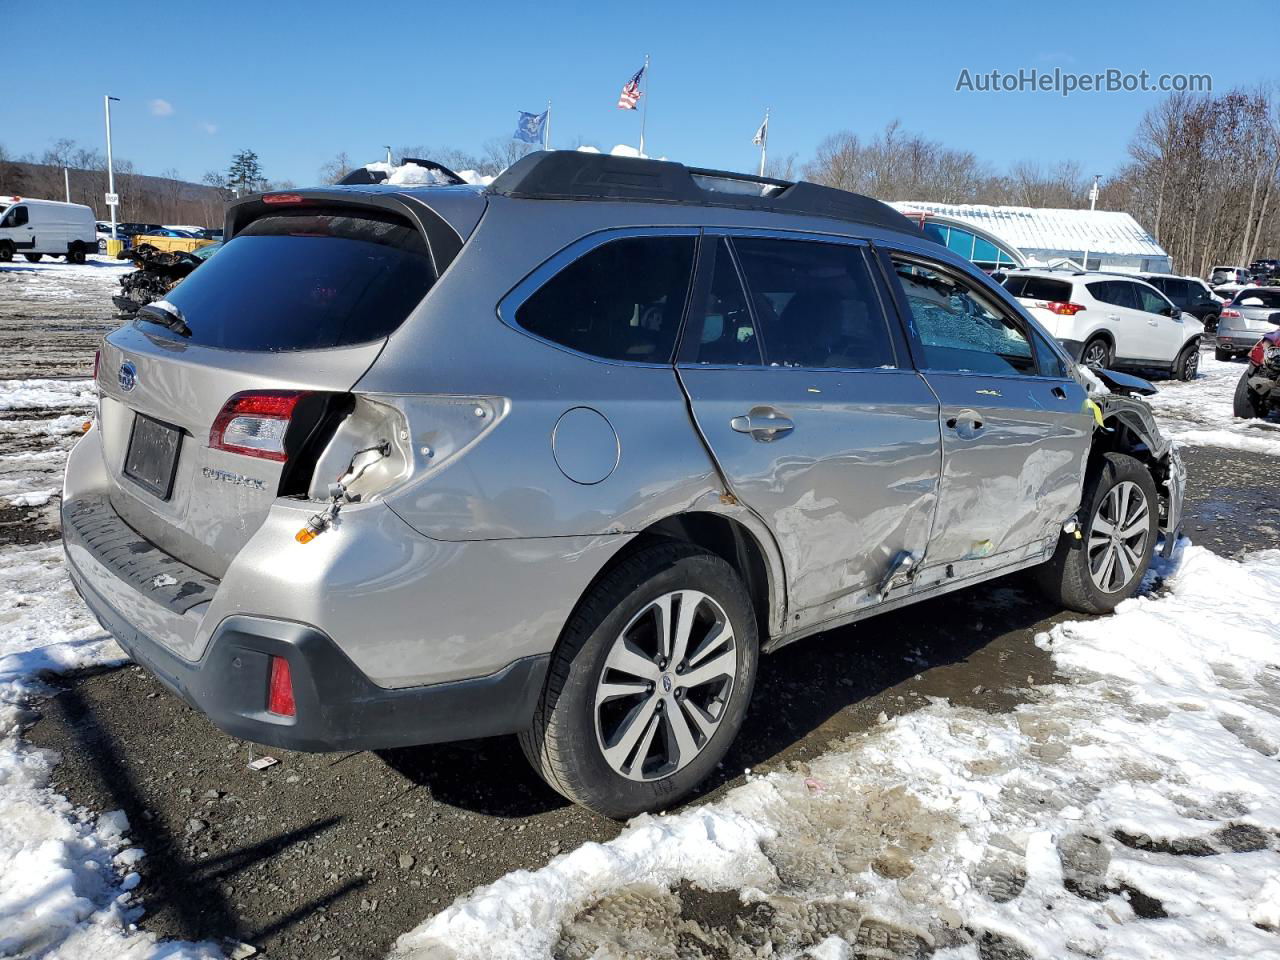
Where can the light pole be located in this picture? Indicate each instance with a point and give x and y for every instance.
(1093, 203)
(388, 149)
(111, 174)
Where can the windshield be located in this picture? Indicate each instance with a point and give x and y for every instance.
(307, 280)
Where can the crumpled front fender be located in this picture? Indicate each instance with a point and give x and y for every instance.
(1169, 471)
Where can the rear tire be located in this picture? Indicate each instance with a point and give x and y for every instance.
(76, 255)
(1080, 576)
(1220, 354)
(1188, 363)
(614, 730)
(1096, 353)
(1246, 404)
(33, 257)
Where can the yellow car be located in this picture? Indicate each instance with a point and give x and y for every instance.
(170, 241)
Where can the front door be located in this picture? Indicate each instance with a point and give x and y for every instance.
(1015, 428)
(806, 399)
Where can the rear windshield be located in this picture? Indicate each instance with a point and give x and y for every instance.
(1269, 298)
(306, 280)
(1038, 288)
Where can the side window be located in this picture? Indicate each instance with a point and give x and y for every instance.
(16, 217)
(960, 329)
(815, 304)
(728, 333)
(621, 301)
(1125, 294)
(1149, 300)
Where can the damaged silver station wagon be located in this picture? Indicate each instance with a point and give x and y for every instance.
(561, 457)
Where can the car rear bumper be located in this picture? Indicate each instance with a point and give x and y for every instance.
(1236, 341)
(337, 706)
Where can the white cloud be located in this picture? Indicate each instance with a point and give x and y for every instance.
(207, 127)
(161, 108)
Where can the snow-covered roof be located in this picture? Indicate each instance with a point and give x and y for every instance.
(1034, 228)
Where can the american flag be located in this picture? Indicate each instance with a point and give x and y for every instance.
(630, 95)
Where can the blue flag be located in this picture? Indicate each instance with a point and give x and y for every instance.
(529, 127)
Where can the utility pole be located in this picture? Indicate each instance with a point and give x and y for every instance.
(66, 183)
(1093, 203)
(546, 128)
(112, 199)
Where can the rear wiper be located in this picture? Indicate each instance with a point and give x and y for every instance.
(166, 314)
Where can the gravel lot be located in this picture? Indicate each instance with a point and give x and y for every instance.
(337, 855)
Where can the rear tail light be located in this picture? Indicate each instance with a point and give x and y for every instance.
(1063, 309)
(1258, 355)
(280, 689)
(1229, 314)
(255, 423)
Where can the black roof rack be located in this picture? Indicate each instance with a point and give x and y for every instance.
(578, 175)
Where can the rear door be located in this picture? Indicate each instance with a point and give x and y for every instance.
(1165, 333)
(1015, 428)
(806, 398)
(1124, 318)
(297, 302)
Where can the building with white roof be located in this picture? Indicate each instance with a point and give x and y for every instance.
(1027, 236)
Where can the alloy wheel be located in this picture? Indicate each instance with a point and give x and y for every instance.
(1095, 355)
(665, 685)
(1118, 537)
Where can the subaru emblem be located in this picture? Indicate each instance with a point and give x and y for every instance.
(666, 683)
(128, 376)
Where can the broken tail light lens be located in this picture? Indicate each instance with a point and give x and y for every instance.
(1063, 309)
(280, 689)
(255, 423)
(1258, 355)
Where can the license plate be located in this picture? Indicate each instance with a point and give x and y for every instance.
(152, 459)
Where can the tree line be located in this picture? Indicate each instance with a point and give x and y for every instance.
(1202, 175)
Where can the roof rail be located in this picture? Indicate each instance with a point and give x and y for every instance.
(578, 175)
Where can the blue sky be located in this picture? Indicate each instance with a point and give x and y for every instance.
(298, 82)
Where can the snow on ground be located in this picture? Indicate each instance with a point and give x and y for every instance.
(1132, 811)
(1199, 413)
(65, 873)
(56, 281)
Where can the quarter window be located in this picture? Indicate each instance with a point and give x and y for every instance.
(621, 301)
(815, 304)
(960, 329)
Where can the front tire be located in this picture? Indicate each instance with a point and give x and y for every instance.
(1119, 517)
(1188, 363)
(649, 684)
(6, 251)
(1246, 404)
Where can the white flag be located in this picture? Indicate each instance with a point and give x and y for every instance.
(761, 133)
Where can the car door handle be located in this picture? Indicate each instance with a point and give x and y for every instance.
(1153, 323)
(1113, 316)
(765, 424)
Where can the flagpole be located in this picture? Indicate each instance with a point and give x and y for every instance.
(764, 141)
(644, 107)
(546, 128)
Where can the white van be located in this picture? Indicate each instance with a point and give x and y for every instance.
(38, 227)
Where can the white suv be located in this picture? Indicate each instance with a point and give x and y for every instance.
(1109, 320)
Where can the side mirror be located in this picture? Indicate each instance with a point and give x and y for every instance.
(1171, 311)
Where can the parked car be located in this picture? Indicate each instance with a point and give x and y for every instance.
(37, 228)
(1252, 312)
(1189, 295)
(1262, 271)
(563, 456)
(1224, 275)
(211, 233)
(1109, 320)
(1258, 390)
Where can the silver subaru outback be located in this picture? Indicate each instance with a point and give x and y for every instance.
(561, 457)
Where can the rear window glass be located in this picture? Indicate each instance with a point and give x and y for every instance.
(306, 280)
(1270, 298)
(621, 301)
(1039, 288)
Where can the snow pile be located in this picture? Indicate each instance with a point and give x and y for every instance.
(1200, 412)
(46, 394)
(1130, 812)
(412, 173)
(65, 875)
